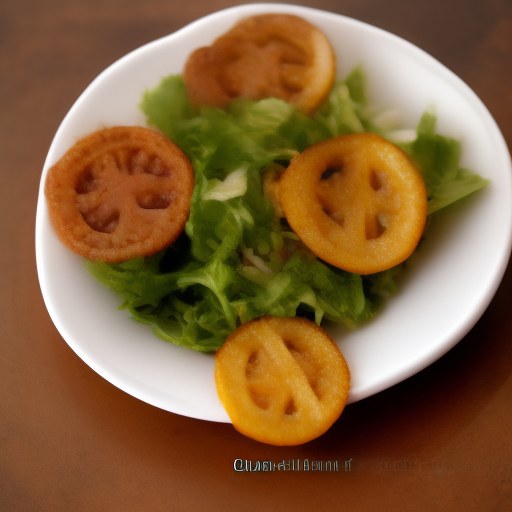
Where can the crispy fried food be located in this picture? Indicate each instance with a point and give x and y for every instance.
(271, 187)
(270, 55)
(356, 201)
(120, 193)
(283, 381)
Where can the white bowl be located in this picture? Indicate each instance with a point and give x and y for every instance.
(444, 291)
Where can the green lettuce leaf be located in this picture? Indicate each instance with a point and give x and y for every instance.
(437, 157)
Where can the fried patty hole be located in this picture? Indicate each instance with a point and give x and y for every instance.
(330, 171)
(290, 408)
(153, 201)
(373, 227)
(103, 219)
(261, 401)
(252, 362)
(375, 181)
(86, 182)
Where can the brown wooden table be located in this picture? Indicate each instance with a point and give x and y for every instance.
(69, 440)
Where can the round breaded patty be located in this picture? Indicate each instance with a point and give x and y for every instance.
(120, 193)
(282, 381)
(270, 55)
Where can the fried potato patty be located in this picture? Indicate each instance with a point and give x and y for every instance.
(283, 381)
(270, 55)
(357, 201)
(120, 193)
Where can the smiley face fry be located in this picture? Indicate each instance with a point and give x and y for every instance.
(120, 193)
(283, 381)
(270, 55)
(356, 201)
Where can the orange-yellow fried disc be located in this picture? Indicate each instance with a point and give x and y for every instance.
(283, 381)
(356, 201)
(270, 55)
(270, 183)
(120, 193)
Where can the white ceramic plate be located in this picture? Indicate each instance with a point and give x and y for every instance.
(443, 292)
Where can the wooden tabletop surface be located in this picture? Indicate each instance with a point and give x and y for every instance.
(71, 441)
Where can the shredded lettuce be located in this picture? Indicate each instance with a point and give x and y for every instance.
(235, 261)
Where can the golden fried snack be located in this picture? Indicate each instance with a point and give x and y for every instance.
(120, 193)
(271, 187)
(282, 381)
(270, 55)
(356, 201)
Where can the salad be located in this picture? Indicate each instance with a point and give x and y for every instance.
(237, 260)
